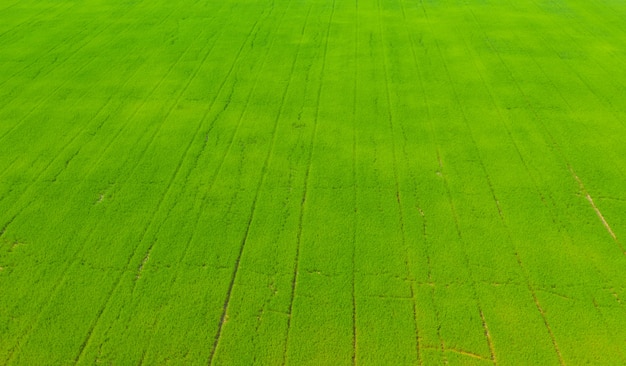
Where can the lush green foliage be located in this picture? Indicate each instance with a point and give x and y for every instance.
(381, 182)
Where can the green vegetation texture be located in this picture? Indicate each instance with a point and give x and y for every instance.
(308, 182)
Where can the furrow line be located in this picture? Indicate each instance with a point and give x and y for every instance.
(213, 103)
(267, 301)
(584, 191)
(422, 214)
(456, 218)
(467, 264)
(607, 325)
(155, 212)
(81, 130)
(390, 118)
(232, 281)
(580, 77)
(46, 10)
(518, 151)
(294, 281)
(59, 156)
(553, 140)
(544, 318)
(354, 181)
(11, 5)
(62, 84)
(244, 240)
(143, 102)
(57, 286)
(201, 123)
(462, 352)
(145, 259)
(503, 220)
(63, 276)
(540, 120)
(88, 41)
(501, 215)
(37, 178)
(38, 60)
(213, 179)
(612, 10)
(593, 31)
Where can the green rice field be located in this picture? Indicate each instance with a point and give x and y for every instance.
(313, 182)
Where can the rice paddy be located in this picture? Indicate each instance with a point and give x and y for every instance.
(307, 182)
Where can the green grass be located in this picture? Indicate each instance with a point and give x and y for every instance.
(380, 182)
